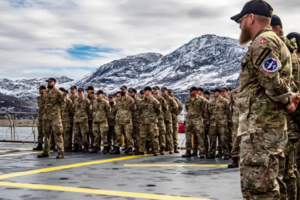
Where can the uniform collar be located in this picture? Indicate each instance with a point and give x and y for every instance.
(266, 29)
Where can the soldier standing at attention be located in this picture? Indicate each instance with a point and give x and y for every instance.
(101, 111)
(149, 111)
(196, 107)
(42, 89)
(175, 120)
(66, 114)
(124, 121)
(264, 97)
(225, 94)
(161, 120)
(142, 94)
(112, 121)
(73, 91)
(52, 101)
(218, 109)
(91, 96)
(82, 111)
(206, 123)
(207, 95)
(171, 110)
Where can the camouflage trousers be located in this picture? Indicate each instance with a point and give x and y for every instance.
(206, 135)
(236, 141)
(127, 130)
(195, 127)
(111, 135)
(175, 131)
(261, 171)
(215, 129)
(41, 134)
(57, 128)
(162, 134)
(100, 130)
(67, 134)
(169, 136)
(148, 131)
(136, 134)
(90, 136)
(80, 131)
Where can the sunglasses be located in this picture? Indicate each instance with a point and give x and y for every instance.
(240, 20)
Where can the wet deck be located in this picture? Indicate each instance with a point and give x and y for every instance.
(97, 176)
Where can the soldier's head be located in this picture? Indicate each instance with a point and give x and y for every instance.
(118, 94)
(216, 92)
(295, 36)
(100, 94)
(148, 91)
(123, 90)
(73, 90)
(90, 90)
(111, 98)
(142, 94)
(51, 83)
(200, 91)
(132, 92)
(156, 90)
(255, 16)
(63, 90)
(170, 92)
(224, 92)
(207, 95)
(164, 91)
(193, 91)
(42, 89)
(277, 25)
(81, 92)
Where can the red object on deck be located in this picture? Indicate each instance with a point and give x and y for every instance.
(181, 127)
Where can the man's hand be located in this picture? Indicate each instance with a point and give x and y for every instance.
(294, 101)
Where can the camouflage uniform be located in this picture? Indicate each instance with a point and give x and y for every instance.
(262, 121)
(196, 107)
(136, 122)
(82, 111)
(161, 122)
(218, 110)
(92, 98)
(124, 121)
(66, 114)
(111, 124)
(235, 124)
(171, 110)
(149, 111)
(175, 121)
(72, 119)
(52, 100)
(101, 111)
(40, 119)
(206, 127)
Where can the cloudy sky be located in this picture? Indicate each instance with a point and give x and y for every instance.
(42, 38)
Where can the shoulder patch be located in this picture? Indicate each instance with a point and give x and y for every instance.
(271, 65)
(263, 56)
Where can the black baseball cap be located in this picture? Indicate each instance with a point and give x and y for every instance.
(130, 89)
(257, 7)
(206, 92)
(90, 88)
(100, 92)
(200, 89)
(111, 96)
(73, 87)
(80, 90)
(141, 91)
(170, 90)
(297, 37)
(42, 87)
(224, 89)
(62, 89)
(164, 89)
(276, 21)
(148, 88)
(216, 90)
(193, 89)
(124, 87)
(51, 79)
(156, 88)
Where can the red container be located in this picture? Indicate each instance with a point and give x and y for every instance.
(181, 127)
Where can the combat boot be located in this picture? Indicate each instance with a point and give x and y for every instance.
(94, 150)
(39, 147)
(130, 151)
(140, 153)
(115, 151)
(176, 150)
(155, 154)
(170, 152)
(162, 152)
(105, 150)
(202, 156)
(235, 163)
(187, 154)
(86, 149)
(75, 148)
(195, 153)
(43, 155)
(210, 157)
(60, 156)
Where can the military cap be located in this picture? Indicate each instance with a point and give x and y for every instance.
(156, 88)
(224, 89)
(67, 91)
(130, 89)
(100, 92)
(216, 90)
(206, 92)
(42, 87)
(134, 90)
(230, 88)
(111, 96)
(148, 88)
(276, 21)
(73, 87)
(141, 91)
(297, 37)
(170, 90)
(200, 89)
(62, 89)
(51, 79)
(259, 7)
(124, 87)
(193, 89)
(90, 88)
(164, 89)
(80, 90)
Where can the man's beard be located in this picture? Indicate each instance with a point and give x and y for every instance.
(123, 94)
(50, 86)
(245, 36)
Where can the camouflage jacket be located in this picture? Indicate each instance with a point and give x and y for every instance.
(101, 111)
(66, 110)
(112, 114)
(73, 98)
(125, 108)
(218, 109)
(82, 109)
(195, 107)
(52, 100)
(205, 114)
(41, 107)
(234, 107)
(163, 105)
(172, 109)
(150, 110)
(179, 110)
(136, 112)
(264, 79)
(92, 100)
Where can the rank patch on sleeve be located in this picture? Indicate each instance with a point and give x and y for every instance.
(271, 65)
(266, 52)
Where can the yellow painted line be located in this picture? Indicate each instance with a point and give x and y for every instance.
(96, 191)
(19, 149)
(20, 154)
(172, 165)
(50, 169)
